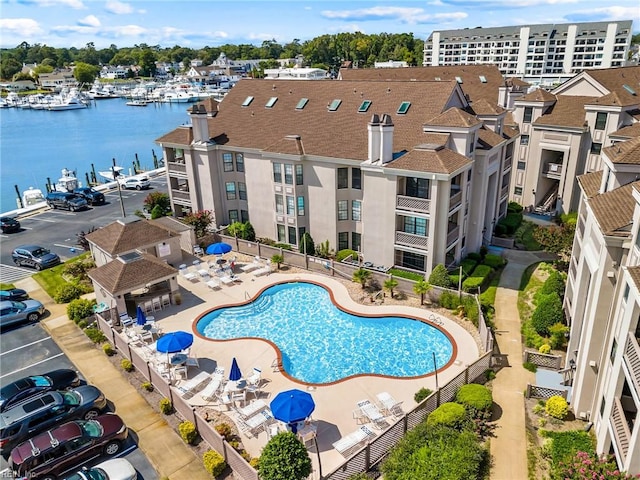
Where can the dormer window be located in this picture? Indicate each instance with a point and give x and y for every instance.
(333, 106)
(402, 109)
(247, 101)
(272, 101)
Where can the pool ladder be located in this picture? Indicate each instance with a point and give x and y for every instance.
(246, 295)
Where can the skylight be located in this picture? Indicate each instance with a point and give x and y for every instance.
(629, 89)
(272, 101)
(438, 79)
(364, 106)
(459, 79)
(247, 101)
(301, 104)
(483, 79)
(402, 109)
(333, 106)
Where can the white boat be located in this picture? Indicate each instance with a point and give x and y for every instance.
(68, 103)
(32, 196)
(108, 174)
(137, 103)
(67, 182)
(177, 97)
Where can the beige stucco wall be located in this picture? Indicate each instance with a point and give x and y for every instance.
(378, 216)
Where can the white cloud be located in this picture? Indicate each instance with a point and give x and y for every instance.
(118, 8)
(20, 27)
(89, 21)
(609, 13)
(262, 36)
(126, 31)
(403, 14)
(350, 28)
(505, 4)
(75, 4)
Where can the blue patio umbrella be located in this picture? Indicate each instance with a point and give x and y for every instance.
(141, 318)
(292, 406)
(174, 342)
(235, 374)
(219, 248)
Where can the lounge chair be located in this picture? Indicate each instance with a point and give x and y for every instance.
(255, 377)
(373, 413)
(208, 393)
(213, 284)
(259, 421)
(390, 405)
(252, 266)
(191, 385)
(354, 439)
(253, 408)
(125, 320)
(188, 275)
(229, 280)
(266, 270)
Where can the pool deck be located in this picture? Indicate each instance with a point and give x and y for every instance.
(334, 403)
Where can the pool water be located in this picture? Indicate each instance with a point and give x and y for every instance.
(321, 344)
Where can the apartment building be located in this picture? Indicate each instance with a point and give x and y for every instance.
(563, 133)
(602, 304)
(406, 172)
(537, 53)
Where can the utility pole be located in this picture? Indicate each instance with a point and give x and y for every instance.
(116, 174)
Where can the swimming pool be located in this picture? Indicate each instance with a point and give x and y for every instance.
(321, 344)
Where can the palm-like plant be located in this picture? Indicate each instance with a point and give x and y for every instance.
(362, 276)
(421, 287)
(277, 259)
(390, 284)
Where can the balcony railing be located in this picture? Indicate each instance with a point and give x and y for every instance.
(504, 191)
(176, 167)
(621, 432)
(454, 200)
(180, 194)
(554, 169)
(632, 359)
(414, 204)
(453, 235)
(412, 240)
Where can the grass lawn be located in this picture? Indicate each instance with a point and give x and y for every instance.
(51, 279)
(524, 236)
(7, 286)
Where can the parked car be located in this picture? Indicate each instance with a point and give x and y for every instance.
(91, 195)
(68, 201)
(138, 183)
(13, 294)
(34, 256)
(114, 469)
(36, 414)
(12, 313)
(9, 224)
(26, 387)
(64, 448)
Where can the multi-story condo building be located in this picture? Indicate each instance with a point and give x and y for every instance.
(563, 132)
(407, 172)
(536, 53)
(602, 304)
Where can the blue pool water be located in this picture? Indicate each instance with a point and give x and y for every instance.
(320, 343)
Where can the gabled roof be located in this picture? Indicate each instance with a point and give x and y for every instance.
(613, 210)
(182, 135)
(590, 183)
(428, 159)
(617, 99)
(630, 131)
(483, 108)
(614, 79)
(487, 139)
(538, 95)
(624, 152)
(119, 237)
(568, 111)
(453, 117)
(118, 276)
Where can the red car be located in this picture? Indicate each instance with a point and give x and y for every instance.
(59, 450)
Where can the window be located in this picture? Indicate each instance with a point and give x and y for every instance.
(417, 187)
(291, 206)
(279, 204)
(247, 101)
(416, 226)
(227, 162)
(638, 239)
(602, 404)
(614, 347)
(333, 106)
(343, 240)
(242, 190)
(239, 162)
(356, 210)
(343, 178)
(356, 241)
(596, 148)
(403, 108)
(233, 216)
(230, 187)
(517, 191)
(413, 260)
(293, 238)
(356, 178)
(302, 103)
(301, 205)
(343, 210)
(601, 120)
(625, 296)
(272, 101)
(364, 106)
(522, 165)
(281, 237)
(528, 114)
(288, 174)
(299, 177)
(483, 79)
(277, 172)
(524, 139)
(244, 216)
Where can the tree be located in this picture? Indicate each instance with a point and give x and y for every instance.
(558, 239)
(307, 244)
(440, 277)
(390, 284)
(85, 73)
(200, 221)
(362, 276)
(277, 259)
(547, 313)
(160, 200)
(421, 287)
(284, 457)
(9, 67)
(241, 230)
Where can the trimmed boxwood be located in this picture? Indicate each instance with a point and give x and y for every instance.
(477, 278)
(475, 256)
(342, 254)
(448, 414)
(511, 222)
(493, 261)
(214, 463)
(547, 313)
(455, 280)
(475, 396)
(468, 265)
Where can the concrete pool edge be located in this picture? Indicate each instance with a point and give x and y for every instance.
(362, 311)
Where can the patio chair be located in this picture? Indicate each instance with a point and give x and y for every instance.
(156, 304)
(218, 373)
(166, 300)
(197, 250)
(253, 408)
(125, 320)
(224, 398)
(266, 270)
(256, 263)
(273, 429)
(209, 392)
(188, 275)
(359, 417)
(255, 378)
(373, 413)
(352, 440)
(213, 284)
(228, 280)
(190, 386)
(182, 371)
(390, 405)
(259, 421)
(148, 307)
(239, 397)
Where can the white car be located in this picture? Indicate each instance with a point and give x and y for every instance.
(138, 183)
(115, 469)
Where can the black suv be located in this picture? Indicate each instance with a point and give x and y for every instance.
(65, 200)
(91, 195)
(9, 224)
(34, 256)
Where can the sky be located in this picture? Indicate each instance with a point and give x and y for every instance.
(200, 23)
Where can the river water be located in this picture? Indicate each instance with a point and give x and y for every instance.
(38, 144)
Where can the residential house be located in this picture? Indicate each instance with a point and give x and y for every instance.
(295, 73)
(57, 80)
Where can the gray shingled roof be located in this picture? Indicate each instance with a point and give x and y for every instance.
(119, 237)
(118, 276)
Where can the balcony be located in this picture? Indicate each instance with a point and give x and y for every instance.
(413, 204)
(632, 360)
(504, 191)
(621, 434)
(412, 240)
(173, 167)
(554, 170)
(180, 195)
(453, 235)
(455, 199)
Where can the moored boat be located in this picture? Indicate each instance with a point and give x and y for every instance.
(32, 196)
(137, 103)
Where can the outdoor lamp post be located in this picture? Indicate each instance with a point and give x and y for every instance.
(116, 174)
(435, 369)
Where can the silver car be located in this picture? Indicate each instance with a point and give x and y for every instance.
(138, 183)
(12, 312)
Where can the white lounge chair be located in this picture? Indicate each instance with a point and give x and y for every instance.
(373, 413)
(208, 393)
(213, 284)
(252, 266)
(190, 386)
(390, 404)
(354, 439)
(266, 270)
(255, 377)
(259, 420)
(188, 275)
(228, 280)
(253, 408)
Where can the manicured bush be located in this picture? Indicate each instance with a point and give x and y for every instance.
(514, 207)
(421, 394)
(255, 462)
(467, 266)
(188, 432)
(342, 254)
(148, 386)
(475, 256)
(214, 463)
(224, 430)
(472, 284)
(558, 333)
(511, 222)
(544, 349)
(67, 292)
(126, 365)
(283, 246)
(449, 300)
(83, 324)
(359, 476)
(532, 339)
(166, 407)
(284, 457)
(532, 367)
(553, 284)
(95, 335)
(396, 272)
(455, 279)
(471, 311)
(493, 261)
(79, 309)
(547, 313)
(108, 350)
(500, 230)
(475, 396)
(440, 277)
(448, 414)
(557, 407)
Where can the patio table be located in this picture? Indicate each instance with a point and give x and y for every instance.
(178, 359)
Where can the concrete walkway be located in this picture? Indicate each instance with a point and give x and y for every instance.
(509, 447)
(164, 448)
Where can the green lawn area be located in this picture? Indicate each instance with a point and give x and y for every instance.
(7, 286)
(524, 236)
(52, 279)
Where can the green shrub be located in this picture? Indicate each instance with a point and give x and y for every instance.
(489, 374)
(126, 365)
(475, 396)
(511, 222)
(470, 307)
(547, 313)
(188, 432)
(148, 386)
(532, 367)
(67, 292)
(449, 300)
(283, 246)
(79, 309)
(359, 476)
(553, 284)
(472, 284)
(500, 230)
(108, 350)
(95, 335)
(396, 272)
(558, 333)
(421, 394)
(493, 261)
(440, 277)
(342, 254)
(557, 407)
(590, 465)
(284, 457)
(224, 430)
(214, 463)
(532, 339)
(166, 407)
(455, 279)
(475, 256)
(544, 349)
(563, 446)
(83, 324)
(255, 462)
(468, 265)
(514, 207)
(448, 414)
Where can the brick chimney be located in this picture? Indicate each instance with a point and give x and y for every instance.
(386, 139)
(374, 138)
(200, 127)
